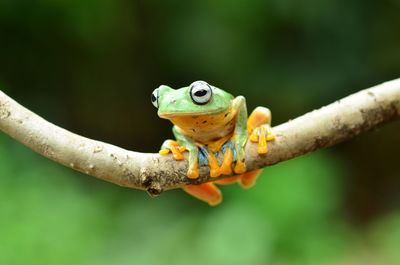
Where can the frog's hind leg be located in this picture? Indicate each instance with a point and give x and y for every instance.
(248, 179)
(206, 192)
(259, 128)
(227, 181)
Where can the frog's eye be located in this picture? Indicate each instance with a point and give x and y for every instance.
(200, 92)
(154, 98)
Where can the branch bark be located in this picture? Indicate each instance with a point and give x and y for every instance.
(318, 129)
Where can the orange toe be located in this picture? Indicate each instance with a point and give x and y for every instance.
(262, 142)
(240, 167)
(164, 152)
(176, 153)
(254, 136)
(215, 171)
(226, 168)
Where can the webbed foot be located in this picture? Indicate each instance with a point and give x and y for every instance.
(262, 135)
(226, 167)
(171, 146)
(206, 192)
(259, 129)
(206, 157)
(248, 179)
(233, 152)
(215, 170)
(174, 147)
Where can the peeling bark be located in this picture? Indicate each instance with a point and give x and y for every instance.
(315, 130)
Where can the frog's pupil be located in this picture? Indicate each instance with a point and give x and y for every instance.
(200, 93)
(153, 98)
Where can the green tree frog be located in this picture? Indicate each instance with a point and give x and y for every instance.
(209, 121)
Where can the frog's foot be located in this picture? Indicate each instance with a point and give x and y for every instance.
(206, 192)
(258, 126)
(226, 167)
(207, 158)
(240, 166)
(262, 135)
(248, 179)
(215, 170)
(174, 147)
(233, 155)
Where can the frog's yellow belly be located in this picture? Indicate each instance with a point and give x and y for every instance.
(205, 129)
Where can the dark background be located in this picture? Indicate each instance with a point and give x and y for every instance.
(90, 67)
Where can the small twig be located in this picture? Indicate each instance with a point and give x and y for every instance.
(318, 129)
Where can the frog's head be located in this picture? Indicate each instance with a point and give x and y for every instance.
(199, 98)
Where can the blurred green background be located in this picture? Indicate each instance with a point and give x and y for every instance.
(90, 66)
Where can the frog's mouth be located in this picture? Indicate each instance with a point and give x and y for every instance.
(179, 114)
(168, 115)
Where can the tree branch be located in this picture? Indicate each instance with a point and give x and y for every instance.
(318, 129)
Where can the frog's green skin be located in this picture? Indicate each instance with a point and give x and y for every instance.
(223, 116)
(207, 117)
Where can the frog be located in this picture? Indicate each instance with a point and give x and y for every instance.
(209, 122)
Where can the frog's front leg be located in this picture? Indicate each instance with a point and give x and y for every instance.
(193, 171)
(239, 137)
(178, 147)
